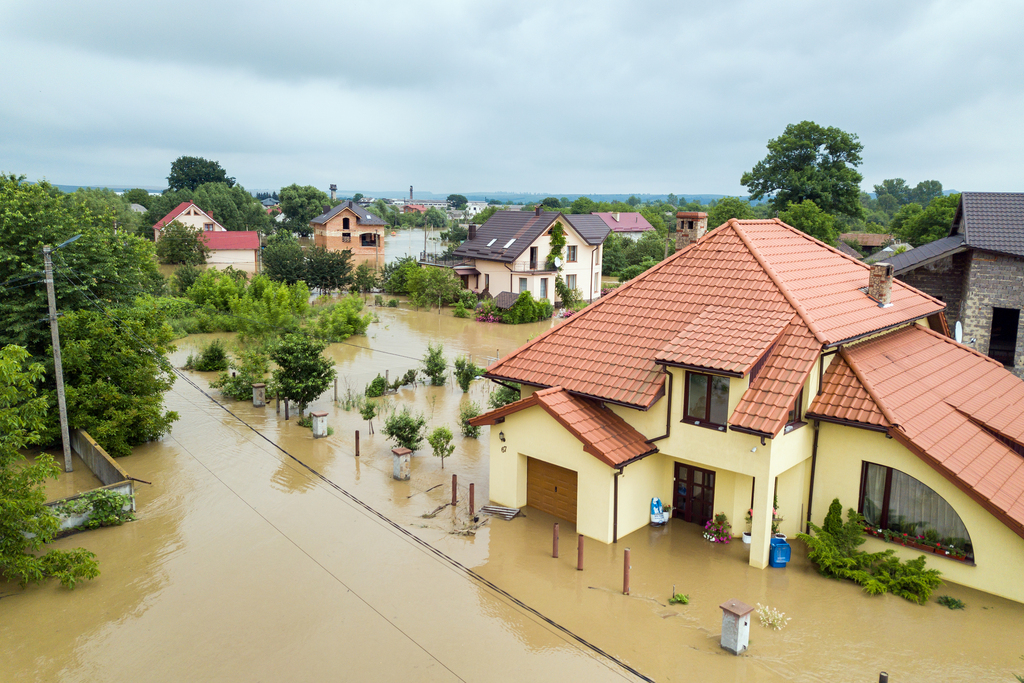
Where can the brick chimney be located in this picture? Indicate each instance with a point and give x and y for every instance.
(690, 227)
(880, 284)
(210, 214)
(536, 211)
(326, 208)
(472, 231)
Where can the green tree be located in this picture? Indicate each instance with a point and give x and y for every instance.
(435, 218)
(583, 205)
(301, 204)
(357, 196)
(341, 320)
(100, 265)
(328, 270)
(458, 201)
(484, 216)
(807, 217)
(633, 201)
(552, 203)
(405, 429)
(440, 441)
(465, 372)
(26, 523)
(283, 259)
(433, 285)
(395, 275)
(180, 243)
(893, 192)
(920, 226)
(184, 277)
(115, 374)
(364, 279)
(726, 208)
(926, 191)
(232, 206)
(434, 364)
(138, 196)
(467, 412)
(188, 173)
(672, 199)
(503, 395)
(809, 161)
(302, 372)
(107, 203)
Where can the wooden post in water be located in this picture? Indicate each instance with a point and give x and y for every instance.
(455, 489)
(335, 389)
(883, 677)
(357, 443)
(625, 572)
(579, 554)
(285, 408)
(277, 403)
(472, 500)
(554, 541)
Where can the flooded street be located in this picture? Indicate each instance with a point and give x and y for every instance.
(261, 554)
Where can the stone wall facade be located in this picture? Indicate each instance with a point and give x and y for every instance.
(993, 281)
(943, 279)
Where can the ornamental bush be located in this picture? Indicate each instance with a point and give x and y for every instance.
(405, 429)
(434, 364)
(467, 413)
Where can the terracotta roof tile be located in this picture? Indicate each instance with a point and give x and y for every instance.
(231, 239)
(604, 434)
(941, 395)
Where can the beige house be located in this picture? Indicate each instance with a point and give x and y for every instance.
(509, 253)
(349, 226)
(238, 249)
(758, 364)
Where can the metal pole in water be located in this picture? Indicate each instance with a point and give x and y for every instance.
(554, 541)
(472, 500)
(625, 572)
(357, 443)
(579, 554)
(57, 367)
(455, 489)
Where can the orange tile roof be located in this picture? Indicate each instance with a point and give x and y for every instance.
(764, 406)
(845, 400)
(957, 409)
(718, 304)
(604, 434)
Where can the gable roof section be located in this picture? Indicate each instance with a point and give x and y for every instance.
(955, 408)
(231, 239)
(761, 271)
(363, 217)
(177, 211)
(627, 222)
(764, 407)
(848, 250)
(927, 253)
(592, 230)
(492, 237)
(993, 221)
(604, 434)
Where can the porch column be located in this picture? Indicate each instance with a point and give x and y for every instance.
(761, 520)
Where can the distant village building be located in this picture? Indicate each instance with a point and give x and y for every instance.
(236, 248)
(630, 225)
(349, 226)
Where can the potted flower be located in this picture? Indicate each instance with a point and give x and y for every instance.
(718, 530)
(749, 519)
(776, 519)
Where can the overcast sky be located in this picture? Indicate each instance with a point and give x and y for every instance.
(474, 96)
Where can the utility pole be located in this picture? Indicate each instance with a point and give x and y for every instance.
(58, 369)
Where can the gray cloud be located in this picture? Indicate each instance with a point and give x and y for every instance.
(470, 96)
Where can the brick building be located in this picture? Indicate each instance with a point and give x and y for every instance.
(350, 226)
(978, 271)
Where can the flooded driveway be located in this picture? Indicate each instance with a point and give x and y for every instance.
(261, 554)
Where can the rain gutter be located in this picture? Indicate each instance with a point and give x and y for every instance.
(668, 411)
(814, 462)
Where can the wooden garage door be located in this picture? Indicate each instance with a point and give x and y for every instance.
(551, 488)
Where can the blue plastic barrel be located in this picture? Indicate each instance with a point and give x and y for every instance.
(779, 553)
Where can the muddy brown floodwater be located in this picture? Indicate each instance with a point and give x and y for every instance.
(261, 554)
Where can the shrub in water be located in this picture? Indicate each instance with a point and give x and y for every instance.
(377, 387)
(466, 413)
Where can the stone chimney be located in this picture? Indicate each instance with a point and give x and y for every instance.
(690, 227)
(334, 192)
(472, 231)
(880, 284)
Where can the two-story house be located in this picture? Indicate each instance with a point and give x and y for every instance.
(978, 270)
(238, 249)
(759, 364)
(349, 226)
(509, 253)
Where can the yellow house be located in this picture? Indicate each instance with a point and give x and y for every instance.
(509, 253)
(759, 364)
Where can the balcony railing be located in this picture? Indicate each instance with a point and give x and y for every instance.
(448, 261)
(527, 266)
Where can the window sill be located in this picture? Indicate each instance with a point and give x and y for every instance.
(922, 547)
(705, 425)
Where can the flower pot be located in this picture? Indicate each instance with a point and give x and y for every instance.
(779, 535)
(746, 537)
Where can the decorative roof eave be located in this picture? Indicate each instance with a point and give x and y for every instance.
(847, 423)
(698, 368)
(872, 333)
(754, 432)
(635, 406)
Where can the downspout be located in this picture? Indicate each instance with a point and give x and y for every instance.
(615, 508)
(593, 253)
(668, 409)
(814, 462)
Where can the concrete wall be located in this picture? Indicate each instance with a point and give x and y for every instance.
(998, 551)
(993, 281)
(106, 470)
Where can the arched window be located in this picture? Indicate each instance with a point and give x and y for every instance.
(890, 499)
(344, 223)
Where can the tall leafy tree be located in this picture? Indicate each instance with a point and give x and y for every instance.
(920, 226)
(232, 206)
(301, 204)
(302, 372)
(26, 524)
(188, 173)
(328, 270)
(726, 208)
(138, 196)
(807, 217)
(180, 243)
(435, 218)
(458, 201)
(583, 205)
(926, 191)
(813, 162)
(283, 259)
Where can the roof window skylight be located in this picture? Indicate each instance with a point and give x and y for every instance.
(492, 241)
(509, 243)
